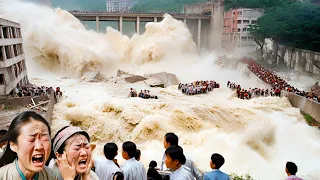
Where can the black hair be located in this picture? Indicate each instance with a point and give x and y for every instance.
(110, 150)
(292, 168)
(3, 132)
(175, 152)
(130, 148)
(138, 154)
(118, 176)
(217, 160)
(153, 164)
(61, 149)
(172, 139)
(14, 132)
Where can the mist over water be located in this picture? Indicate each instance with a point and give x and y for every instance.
(257, 136)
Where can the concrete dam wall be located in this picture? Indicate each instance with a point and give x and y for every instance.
(306, 105)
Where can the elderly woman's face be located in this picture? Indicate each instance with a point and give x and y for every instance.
(33, 146)
(78, 148)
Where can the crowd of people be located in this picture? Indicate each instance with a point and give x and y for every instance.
(30, 153)
(145, 94)
(276, 82)
(198, 87)
(251, 93)
(34, 91)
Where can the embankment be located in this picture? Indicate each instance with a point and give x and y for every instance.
(306, 105)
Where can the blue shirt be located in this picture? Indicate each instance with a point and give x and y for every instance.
(216, 175)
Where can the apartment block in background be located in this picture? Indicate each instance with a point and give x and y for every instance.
(13, 70)
(236, 28)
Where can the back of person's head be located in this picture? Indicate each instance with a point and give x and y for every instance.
(175, 152)
(130, 148)
(291, 168)
(15, 131)
(153, 164)
(118, 176)
(110, 150)
(217, 160)
(138, 154)
(172, 139)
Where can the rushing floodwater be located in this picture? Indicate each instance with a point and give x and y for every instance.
(257, 136)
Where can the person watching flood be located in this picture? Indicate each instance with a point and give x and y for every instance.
(28, 149)
(71, 147)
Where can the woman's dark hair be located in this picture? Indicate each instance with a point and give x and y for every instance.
(176, 153)
(118, 176)
(14, 131)
(138, 154)
(61, 149)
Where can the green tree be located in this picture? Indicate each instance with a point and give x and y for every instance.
(295, 25)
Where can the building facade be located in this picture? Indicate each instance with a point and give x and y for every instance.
(236, 35)
(13, 70)
(119, 5)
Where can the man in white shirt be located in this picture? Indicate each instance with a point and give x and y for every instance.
(172, 139)
(106, 168)
(132, 169)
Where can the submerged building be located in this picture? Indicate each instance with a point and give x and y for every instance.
(13, 70)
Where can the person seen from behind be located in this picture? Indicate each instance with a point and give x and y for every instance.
(152, 173)
(106, 168)
(215, 163)
(291, 170)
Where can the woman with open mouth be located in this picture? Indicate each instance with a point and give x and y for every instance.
(28, 149)
(71, 147)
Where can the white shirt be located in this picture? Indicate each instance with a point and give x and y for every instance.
(181, 174)
(133, 170)
(105, 168)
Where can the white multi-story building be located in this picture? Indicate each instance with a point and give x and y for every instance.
(236, 29)
(13, 70)
(119, 5)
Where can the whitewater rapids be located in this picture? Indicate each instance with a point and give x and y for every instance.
(257, 136)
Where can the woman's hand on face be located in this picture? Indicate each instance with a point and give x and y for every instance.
(86, 176)
(67, 172)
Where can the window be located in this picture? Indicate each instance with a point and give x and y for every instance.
(250, 38)
(234, 13)
(239, 30)
(240, 13)
(244, 29)
(1, 79)
(253, 21)
(1, 55)
(233, 21)
(233, 30)
(243, 38)
(246, 21)
(5, 33)
(239, 21)
(235, 37)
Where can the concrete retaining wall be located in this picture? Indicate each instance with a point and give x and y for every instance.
(304, 104)
(52, 102)
(24, 101)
